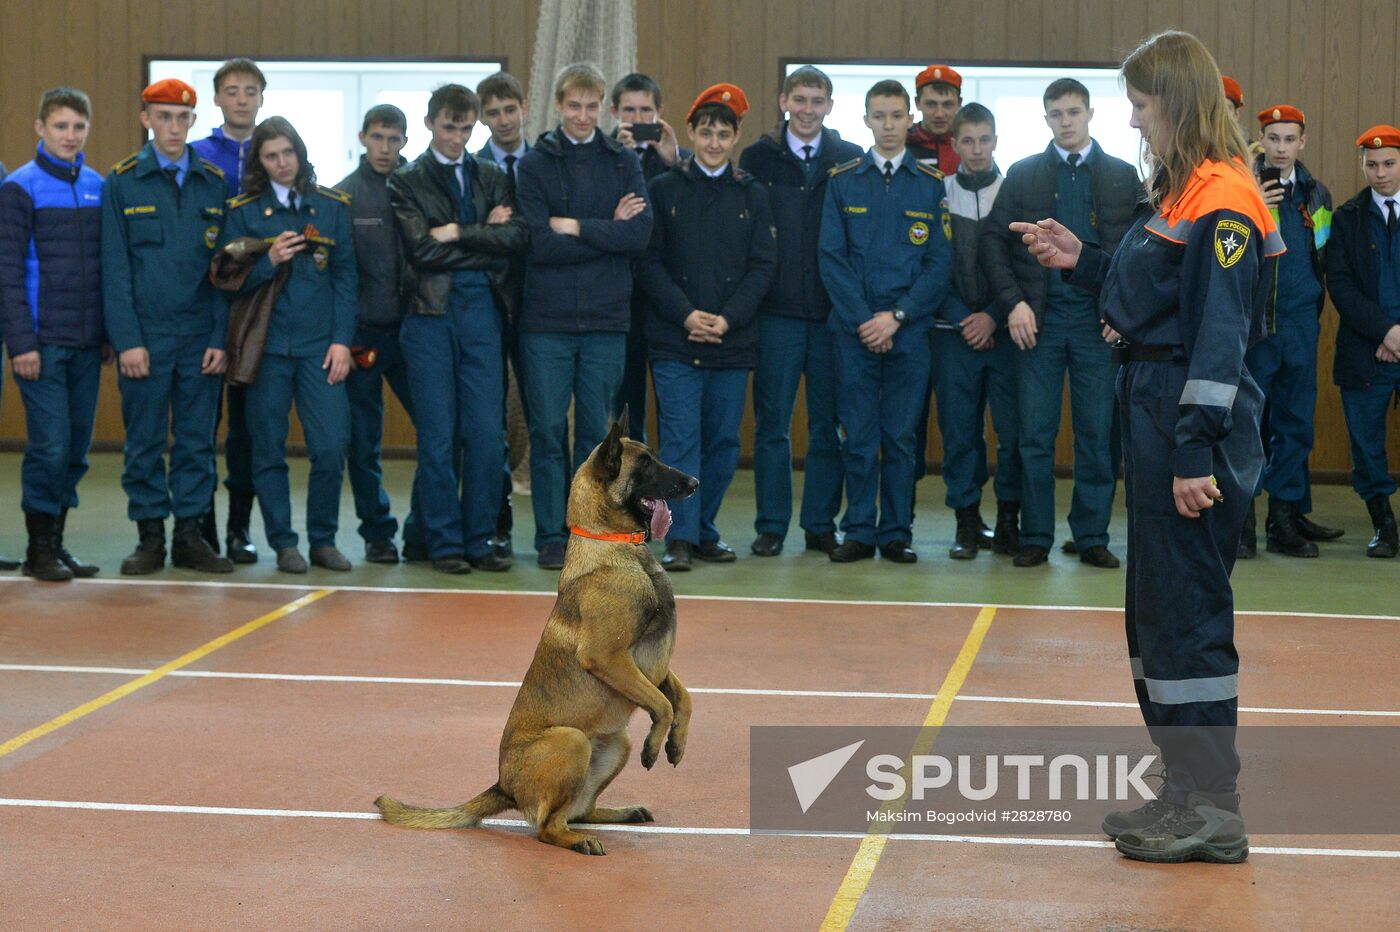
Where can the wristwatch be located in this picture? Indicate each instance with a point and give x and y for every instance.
(899, 315)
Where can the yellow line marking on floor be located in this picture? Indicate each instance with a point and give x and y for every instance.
(126, 689)
(872, 846)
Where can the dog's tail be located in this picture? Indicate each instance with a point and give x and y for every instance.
(466, 815)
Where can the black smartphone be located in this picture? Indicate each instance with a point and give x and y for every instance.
(646, 132)
(1269, 173)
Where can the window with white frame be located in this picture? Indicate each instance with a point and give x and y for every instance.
(1012, 92)
(326, 100)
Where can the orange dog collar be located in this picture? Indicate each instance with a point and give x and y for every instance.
(639, 537)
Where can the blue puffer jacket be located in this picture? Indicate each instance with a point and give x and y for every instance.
(50, 255)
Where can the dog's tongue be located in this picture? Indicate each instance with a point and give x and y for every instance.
(660, 520)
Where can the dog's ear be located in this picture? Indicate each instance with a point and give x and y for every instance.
(622, 421)
(609, 462)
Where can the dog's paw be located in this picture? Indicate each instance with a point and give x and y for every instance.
(649, 753)
(589, 846)
(640, 814)
(675, 749)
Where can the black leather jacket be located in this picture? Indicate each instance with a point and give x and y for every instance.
(422, 200)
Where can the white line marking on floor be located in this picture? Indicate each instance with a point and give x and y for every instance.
(659, 829)
(713, 690)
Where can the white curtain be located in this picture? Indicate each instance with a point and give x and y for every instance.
(603, 32)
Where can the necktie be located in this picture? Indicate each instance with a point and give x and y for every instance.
(292, 201)
(1390, 220)
(510, 166)
(806, 153)
(1288, 192)
(173, 173)
(889, 173)
(1073, 160)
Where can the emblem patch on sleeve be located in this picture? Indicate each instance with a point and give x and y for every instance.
(918, 233)
(1231, 236)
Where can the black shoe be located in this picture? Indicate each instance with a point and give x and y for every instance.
(1123, 821)
(209, 528)
(453, 566)
(1384, 544)
(677, 557)
(41, 560)
(1311, 530)
(328, 557)
(289, 560)
(1281, 531)
(715, 551)
(414, 552)
(852, 550)
(501, 545)
(149, 555)
(189, 548)
(825, 542)
(1099, 556)
(381, 551)
(1031, 556)
(985, 535)
(551, 557)
(237, 543)
(77, 567)
(1069, 547)
(491, 562)
(1006, 538)
(1249, 538)
(7, 564)
(967, 540)
(767, 545)
(1207, 828)
(899, 551)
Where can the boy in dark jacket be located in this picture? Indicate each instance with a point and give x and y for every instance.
(584, 200)
(794, 161)
(51, 320)
(711, 258)
(1363, 277)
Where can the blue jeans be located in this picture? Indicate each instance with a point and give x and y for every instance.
(1285, 366)
(967, 380)
(1075, 346)
(701, 410)
(559, 367)
(177, 400)
(60, 408)
(366, 390)
(324, 412)
(1365, 410)
(879, 397)
(457, 381)
(788, 349)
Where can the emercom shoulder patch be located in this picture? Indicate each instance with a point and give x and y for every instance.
(1231, 236)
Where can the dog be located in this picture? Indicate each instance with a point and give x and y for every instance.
(605, 652)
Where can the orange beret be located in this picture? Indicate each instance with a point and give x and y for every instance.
(169, 91)
(728, 94)
(1283, 113)
(1233, 92)
(938, 74)
(1382, 136)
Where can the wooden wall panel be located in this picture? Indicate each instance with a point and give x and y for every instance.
(1322, 57)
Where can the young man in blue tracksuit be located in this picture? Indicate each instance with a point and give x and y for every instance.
(710, 260)
(1363, 277)
(584, 199)
(886, 261)
(238, 92)
(162, 212)
(51, 321)
(5, 562)
(794, 161)
(1285, 363)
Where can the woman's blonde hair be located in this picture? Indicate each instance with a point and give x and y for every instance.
(1178, 70)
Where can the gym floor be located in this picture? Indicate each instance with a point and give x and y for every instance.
(180, 750)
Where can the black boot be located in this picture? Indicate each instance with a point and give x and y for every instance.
(1248, 548)
(1281, 531)
(1311, 530)
(1384, 544)
(190, 549)
(77, 567)
(41, 559)
(209, 528)
(149, 555)
(7, 564)
(1007, 536)
(967, 538)
(240, 545)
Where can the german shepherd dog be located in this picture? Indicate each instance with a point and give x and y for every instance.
(605, 651)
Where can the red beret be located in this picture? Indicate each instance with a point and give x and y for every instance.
(1382, 136)
(728, 94)
(169, 91)
(1233, 92)
(1283, 113)
(938, 74)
